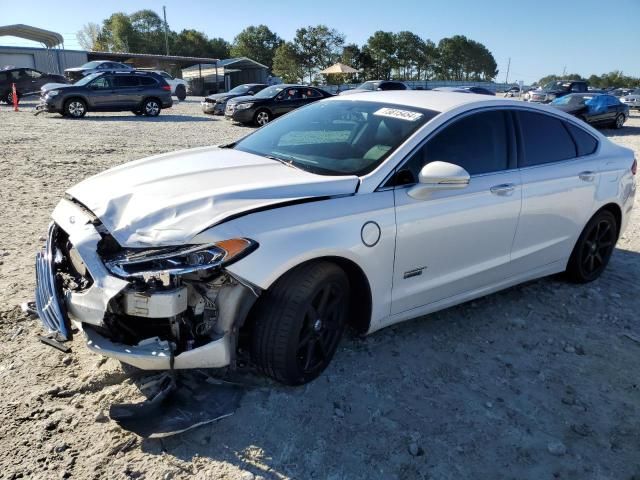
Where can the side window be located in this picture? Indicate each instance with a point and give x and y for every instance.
(479, 143)
(147, 81)
(34, 74)
(585, 142)
(544, 139)
(3, 77)
(102, 83)
(310, 93)
(166, 75)
(103, 66)
(126, 81)
(612, 101)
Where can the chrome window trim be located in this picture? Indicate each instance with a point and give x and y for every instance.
(509, 108)
(422, 143)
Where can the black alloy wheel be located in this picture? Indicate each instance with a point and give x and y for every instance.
(299, 322)
(619, 121)
(593, 250)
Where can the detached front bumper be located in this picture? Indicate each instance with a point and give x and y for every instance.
(106, 302)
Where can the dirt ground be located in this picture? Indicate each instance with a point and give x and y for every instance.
(537, 382)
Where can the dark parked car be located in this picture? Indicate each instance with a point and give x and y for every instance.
(272, 102)
(97, 66)
(553, 90)
(28, 82)
(472, 89)
(597, 109)
(216, 103)
(143, 93)
(376, 85)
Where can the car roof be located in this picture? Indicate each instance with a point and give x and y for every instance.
(439, 101)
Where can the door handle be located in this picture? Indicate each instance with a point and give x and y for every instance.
(587, 176)
(504, 189)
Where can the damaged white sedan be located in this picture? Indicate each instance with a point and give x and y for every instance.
(364, 210)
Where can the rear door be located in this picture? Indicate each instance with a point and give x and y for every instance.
(559, 179)
(310, 95)
(129, 92)
(458, 241)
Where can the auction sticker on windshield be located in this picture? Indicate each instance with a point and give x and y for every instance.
(399, 113)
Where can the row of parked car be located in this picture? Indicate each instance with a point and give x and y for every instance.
(95, 86)
(258, 103)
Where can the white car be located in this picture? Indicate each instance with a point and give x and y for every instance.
(178, 86)
(364, 210)
(632, 99)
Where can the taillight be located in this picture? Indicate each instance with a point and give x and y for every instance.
(634, 167)
(166, 87)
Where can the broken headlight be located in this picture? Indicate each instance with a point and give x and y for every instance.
(179, 260)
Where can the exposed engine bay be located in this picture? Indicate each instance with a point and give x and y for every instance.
(157, 303)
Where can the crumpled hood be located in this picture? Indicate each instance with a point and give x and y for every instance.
(168, 199)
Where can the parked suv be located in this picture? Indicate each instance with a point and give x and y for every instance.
(144, 93)
(28, 82)
(553, 90)
(97, 66)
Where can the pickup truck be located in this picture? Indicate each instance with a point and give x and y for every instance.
(557, 89)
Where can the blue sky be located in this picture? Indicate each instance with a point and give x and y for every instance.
(540, 37)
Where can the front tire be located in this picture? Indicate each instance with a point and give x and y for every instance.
(299, 323)
(75, 108)
(593, 249)
(261, 118)
(151, 107)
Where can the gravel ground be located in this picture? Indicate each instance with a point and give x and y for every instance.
(539, 382)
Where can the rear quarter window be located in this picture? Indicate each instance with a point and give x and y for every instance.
(585, 142)
(147, 81)
(544, 139)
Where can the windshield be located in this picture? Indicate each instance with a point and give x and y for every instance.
(368, 86)
(556, 86)
(573, 100)
(87, 79)
(240, 89)
(337, 137)
(91, 65)
(269, 92)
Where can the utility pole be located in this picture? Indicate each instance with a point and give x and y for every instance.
(564, 71)
(166, 29)
(506, 80)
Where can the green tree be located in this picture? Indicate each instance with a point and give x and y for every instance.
(219, 48)
(117, 35)
(381, 47)
(258, 43)
(318, 47)
(149, 31)
(286, 63)
(408, 50)
(427, 59)
(460, 58)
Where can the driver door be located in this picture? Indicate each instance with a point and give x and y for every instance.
(458, 241)
(287, 100)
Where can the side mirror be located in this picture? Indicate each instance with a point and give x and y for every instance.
(439, 176)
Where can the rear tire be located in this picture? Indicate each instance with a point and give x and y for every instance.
(181, 92)
(299, 323)
(593, 249)
(619, 122)
(151, 107)
(75, 108)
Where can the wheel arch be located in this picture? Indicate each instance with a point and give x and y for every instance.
(615, 209)
(360, 296)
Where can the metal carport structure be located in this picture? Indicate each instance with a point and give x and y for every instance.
(47, 38)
